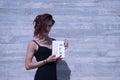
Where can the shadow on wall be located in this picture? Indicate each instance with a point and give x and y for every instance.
(63, 71)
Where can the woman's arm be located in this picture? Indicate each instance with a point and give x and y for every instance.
(29, 56)
(29, 64)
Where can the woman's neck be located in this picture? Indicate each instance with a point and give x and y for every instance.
(42, 38)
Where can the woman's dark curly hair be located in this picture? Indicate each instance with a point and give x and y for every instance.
(41, 23)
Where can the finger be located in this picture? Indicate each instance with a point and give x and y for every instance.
(65, 42)
(59, 56)
(54, 55)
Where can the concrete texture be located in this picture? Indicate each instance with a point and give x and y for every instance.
(92, 28)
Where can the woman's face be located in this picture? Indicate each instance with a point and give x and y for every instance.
(49, 25)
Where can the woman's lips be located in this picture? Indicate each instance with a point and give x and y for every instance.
(47, 31)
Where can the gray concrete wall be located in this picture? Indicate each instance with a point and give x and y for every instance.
(92, 28)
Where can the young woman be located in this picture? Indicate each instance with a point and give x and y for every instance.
(41, 48)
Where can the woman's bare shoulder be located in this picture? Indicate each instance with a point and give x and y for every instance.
(32, 44)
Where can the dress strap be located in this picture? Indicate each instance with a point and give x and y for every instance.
(36, 42)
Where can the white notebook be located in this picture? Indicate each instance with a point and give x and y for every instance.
(58, 48)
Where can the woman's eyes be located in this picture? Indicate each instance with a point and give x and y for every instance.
(49, 25)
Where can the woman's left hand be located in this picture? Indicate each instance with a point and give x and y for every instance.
(66, 44)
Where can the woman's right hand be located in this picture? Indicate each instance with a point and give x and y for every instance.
(52, 58)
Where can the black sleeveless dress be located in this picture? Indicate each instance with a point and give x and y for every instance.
(47, 71)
